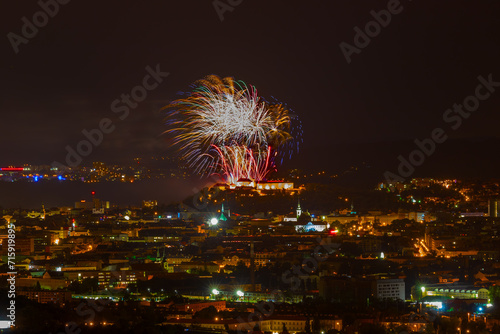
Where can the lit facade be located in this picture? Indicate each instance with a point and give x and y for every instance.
(458, 291)
(390, 289)
(275, 185)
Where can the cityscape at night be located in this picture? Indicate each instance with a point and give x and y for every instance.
(250, 167)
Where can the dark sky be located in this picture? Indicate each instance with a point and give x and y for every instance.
(397, 89)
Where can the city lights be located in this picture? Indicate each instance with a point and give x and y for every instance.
(227, 171)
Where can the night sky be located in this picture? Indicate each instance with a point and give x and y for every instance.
(395, 90)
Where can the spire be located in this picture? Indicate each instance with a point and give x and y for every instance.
(299, 210)
(222, 216)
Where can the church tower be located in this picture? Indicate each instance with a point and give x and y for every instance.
(222, 216)
(299, 210)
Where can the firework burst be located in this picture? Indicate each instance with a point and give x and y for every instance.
(223, 126)
(240, 162)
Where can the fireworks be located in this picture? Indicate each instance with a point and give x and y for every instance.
(239, 162)
(223, 127)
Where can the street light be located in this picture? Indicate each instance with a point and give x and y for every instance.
(240, 293)
(215, 292)
(214, 221)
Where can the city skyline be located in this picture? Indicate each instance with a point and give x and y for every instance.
(250, 167)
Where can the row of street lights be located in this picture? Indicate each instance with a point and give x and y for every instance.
(239, 293)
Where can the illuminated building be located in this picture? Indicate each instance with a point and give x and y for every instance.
(44, 296)
(416, 323)
(358, 290)
(47, 280)
(273, 324)
(275, 185)
(23, 246)
(105, 279)
(458, 291)
(294, 218)
(493, 208)
(149, 203)
(245, 183)
(311, 227)
(261, 186)
(222, 216)
(390, 289)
